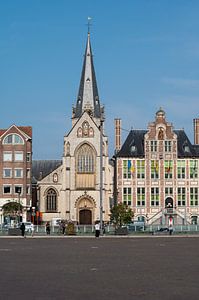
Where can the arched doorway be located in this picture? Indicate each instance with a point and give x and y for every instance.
(85, 217)
(168, 202)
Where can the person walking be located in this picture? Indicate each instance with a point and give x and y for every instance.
(48, 228)
(22, 228)
(97, 229)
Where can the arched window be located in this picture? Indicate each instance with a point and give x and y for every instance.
(51, 200)
(85, 159)
(13, 139)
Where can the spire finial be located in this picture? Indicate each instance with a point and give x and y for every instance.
(89, 24)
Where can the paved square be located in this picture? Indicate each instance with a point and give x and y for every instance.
(104, 268)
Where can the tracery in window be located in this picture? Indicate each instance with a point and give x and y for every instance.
(51, 200)
(85, 159)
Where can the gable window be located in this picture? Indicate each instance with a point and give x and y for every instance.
(13, 139)
(154, 146)
(51, 200)
(85, 159)
(167, 146)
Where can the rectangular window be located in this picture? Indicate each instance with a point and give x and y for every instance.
(141, 196)
(127, 195)
(18, 189)
(168, 191)
(18, 156)
(28, 189)
(181, 169)
(18, 173)
(155, 201)
(7, 173)
(181, 196)
(154, 169)
(168, 169)
(193, 168)
(167, 146)
(7, 189)
(126, 169)
(194, 196)
(7, 156)
(140, 169)
(153, 146)
(28, 173)
(28, 157)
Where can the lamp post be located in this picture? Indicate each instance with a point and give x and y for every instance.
(101, 177)
(19, 210)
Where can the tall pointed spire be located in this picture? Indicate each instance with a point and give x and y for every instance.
(88, 98)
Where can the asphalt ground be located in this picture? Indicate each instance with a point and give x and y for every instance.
(105, 268)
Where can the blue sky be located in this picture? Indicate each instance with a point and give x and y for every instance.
(146, 55)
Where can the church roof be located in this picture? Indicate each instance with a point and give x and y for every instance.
(134, 145)
(42, 168)
(88, 98)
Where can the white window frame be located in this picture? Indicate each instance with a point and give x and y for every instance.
(18, 186)
(8, 154)
(19, 153)
(4, 171)
(15, 172)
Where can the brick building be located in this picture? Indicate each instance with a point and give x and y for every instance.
(157, 172)
(15, 173)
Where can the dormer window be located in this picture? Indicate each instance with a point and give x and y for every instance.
(88, 79)
(186, 147)
(133, 149)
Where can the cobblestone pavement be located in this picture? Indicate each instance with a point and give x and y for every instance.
(105, 268)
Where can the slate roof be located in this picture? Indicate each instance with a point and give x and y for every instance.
(42, 168)
(134, 145)
(78, 110)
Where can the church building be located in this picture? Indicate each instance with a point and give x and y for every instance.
(78, 187)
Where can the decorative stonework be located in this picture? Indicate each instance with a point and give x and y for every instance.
(85, 130)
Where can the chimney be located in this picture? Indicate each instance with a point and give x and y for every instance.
(117, 135)
(196, 131)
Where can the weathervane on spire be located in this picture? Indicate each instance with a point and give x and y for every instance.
(89, 24)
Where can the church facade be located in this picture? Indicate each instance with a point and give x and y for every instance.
(79, 187)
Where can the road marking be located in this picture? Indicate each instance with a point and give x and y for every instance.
(5, 249)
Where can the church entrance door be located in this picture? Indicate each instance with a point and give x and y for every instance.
(85, 217)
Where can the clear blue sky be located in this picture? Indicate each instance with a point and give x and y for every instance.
(146, 55)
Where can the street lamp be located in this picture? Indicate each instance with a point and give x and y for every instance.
(19, 209)
(101, 177)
